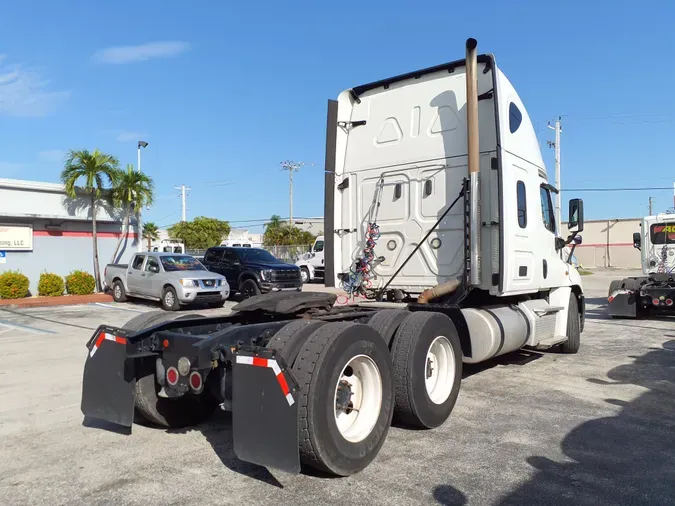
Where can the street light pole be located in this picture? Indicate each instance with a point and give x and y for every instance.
(139, 230)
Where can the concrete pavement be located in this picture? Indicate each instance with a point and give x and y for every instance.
(528, 428)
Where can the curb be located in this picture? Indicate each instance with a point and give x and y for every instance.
(63, 300)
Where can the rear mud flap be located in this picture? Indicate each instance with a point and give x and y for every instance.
(265, 412)
(109, 380)
(622, 303)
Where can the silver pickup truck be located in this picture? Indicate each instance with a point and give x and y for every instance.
(172, 278)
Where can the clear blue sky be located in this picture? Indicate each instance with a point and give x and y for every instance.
(224, 91)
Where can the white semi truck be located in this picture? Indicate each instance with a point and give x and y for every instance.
(438, 209)
(312, 263)
(654, 292)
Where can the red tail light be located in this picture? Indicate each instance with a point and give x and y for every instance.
(655, 302)
(669, 302)
(172, 376)
(196, 381)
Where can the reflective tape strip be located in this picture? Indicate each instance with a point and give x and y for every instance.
(104, 336)
(272, 364)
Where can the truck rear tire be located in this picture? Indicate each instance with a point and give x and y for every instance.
(387, 322)
(346, 397)
(148, 406)
(573, 342)
(288, 341)
(427, 357)
(118, 292)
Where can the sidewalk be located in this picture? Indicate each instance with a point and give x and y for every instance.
(63, 300)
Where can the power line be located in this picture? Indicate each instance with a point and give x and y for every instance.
(616, 189)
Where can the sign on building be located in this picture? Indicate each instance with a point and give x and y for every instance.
(16, 238)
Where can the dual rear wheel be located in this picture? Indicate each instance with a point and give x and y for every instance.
(352, 384)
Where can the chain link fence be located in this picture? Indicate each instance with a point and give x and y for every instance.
(289, 254)
(286, 253)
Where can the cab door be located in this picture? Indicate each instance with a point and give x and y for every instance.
(152, 284)
(135, 274)
(230, 267)
(551, 265)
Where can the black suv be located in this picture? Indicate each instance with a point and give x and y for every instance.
(252, 271)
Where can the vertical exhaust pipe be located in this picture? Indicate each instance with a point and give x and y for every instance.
(474, 157)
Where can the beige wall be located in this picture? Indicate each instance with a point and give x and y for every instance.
(609, 243)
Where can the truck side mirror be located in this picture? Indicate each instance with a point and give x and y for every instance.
(637, 240)
(576, 216)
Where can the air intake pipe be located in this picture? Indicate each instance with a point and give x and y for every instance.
(474, 158)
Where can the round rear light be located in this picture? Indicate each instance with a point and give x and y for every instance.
(183, 366)
(196, 381)
(669, 302)
(655, 302)
(172, 376)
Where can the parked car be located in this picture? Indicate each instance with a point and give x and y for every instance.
(174, 279)
(252, 271)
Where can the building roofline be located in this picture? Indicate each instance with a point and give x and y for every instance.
(20, 184)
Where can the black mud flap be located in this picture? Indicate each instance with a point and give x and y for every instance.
(109, 380)
(265, 411)
(622, 303)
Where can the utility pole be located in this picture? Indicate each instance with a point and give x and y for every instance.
(556, 145)
(650, 206)
(141, 144)
(291, 167)
(183, 193)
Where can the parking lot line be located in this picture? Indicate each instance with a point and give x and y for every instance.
(17, 326)
(110, 306)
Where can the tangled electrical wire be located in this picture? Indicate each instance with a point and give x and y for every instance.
(358, 280)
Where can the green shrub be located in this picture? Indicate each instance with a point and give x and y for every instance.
(50, 285)
(80, 283)
(13, 285)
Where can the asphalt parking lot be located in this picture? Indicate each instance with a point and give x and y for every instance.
(528, 428)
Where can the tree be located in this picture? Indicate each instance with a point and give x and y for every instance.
(95, 169)
(201, 233)
(279, 233)
(132, 190)
(150, 233)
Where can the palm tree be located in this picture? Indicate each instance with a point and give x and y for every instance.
(274, 231)
(275, 222)
(95, 169)
(150, 233)
(131, 190)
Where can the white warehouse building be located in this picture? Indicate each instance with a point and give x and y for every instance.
(43, 230)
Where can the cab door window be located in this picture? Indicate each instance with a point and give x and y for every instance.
(138, 262)
(547, 209)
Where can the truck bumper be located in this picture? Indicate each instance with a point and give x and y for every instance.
(196, 295)
(264, 392)
(292, 286)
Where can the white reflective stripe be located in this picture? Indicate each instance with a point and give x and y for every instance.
(109, 337)
(244, 360)
(275, 367)
(93, 350)
(290, 399)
